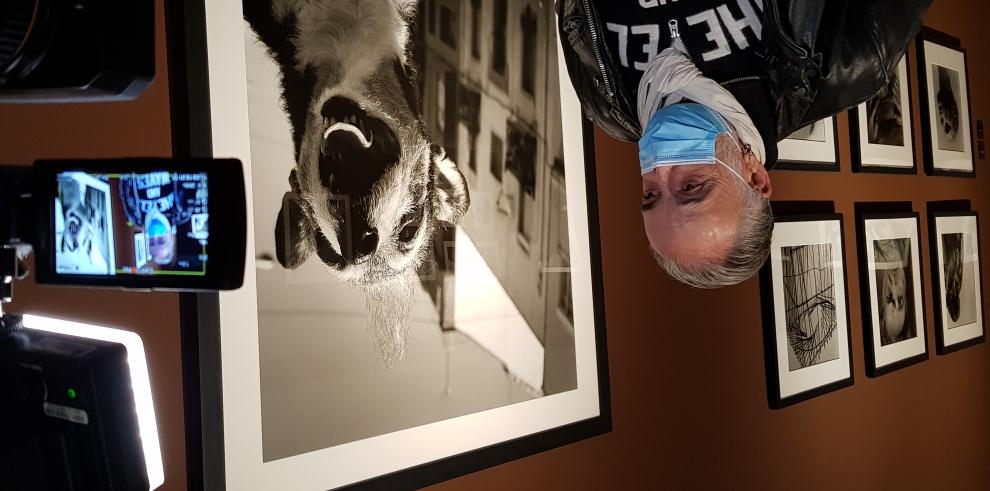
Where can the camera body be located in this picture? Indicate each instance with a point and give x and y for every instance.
(75, 50)
(140, 223)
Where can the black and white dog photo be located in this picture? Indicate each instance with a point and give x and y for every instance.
(369, 190)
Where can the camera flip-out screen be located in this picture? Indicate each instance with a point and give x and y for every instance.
(149, 223)
(142, 223)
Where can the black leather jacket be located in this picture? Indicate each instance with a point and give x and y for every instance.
(822, 57)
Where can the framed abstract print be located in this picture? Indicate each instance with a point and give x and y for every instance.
(881, 133)
(805, 310)
(957, 280)
(891, 289)
(945, 108)
(812, 147)
(423, 228)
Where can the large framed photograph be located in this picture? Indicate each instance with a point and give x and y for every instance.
(805, 310)
(881, 133)
(424, 227)
(945, 105)
(892, 289)
(957, 286)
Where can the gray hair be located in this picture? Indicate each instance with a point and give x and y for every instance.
(752, 245)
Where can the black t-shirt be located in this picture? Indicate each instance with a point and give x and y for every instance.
(722, 36)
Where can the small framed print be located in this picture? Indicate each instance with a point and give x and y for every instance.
(957, 281)
(805, 312)
(812, 147)
(881, 133)
(945, 107)
(891, 287)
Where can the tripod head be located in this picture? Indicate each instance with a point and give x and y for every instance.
(17, 227)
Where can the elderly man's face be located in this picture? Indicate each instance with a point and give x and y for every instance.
(691, 212)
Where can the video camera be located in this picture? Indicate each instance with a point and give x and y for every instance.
(150, 224)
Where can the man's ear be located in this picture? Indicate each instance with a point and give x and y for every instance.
(452, 198)
(759, 178)
(292, 242)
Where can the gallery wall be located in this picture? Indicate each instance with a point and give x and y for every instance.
(689, 398)
(688, 388)
(135, 128)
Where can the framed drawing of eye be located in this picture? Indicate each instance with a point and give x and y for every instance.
(805, 310)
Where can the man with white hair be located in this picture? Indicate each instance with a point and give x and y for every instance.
(708, 88)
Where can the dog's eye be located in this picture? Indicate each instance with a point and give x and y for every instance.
(408, 232)
(410, 225)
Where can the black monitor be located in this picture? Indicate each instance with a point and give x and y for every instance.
(68, 417)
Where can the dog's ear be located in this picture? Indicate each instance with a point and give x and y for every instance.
(452, 198)
(271, 21)
(292, 243)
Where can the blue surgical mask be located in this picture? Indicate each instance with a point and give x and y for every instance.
(682, 134)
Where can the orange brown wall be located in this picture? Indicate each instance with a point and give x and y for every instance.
(688, 388)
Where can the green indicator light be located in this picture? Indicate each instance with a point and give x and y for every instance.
(71, 393)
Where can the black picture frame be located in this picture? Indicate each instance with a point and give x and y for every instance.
(768, 308)
(202, 378)
(933, 235)
(928, 34)
(856, 146)
(808, 165)
(866, 293)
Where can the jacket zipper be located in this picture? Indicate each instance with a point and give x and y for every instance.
(609, 95)
(741, 79)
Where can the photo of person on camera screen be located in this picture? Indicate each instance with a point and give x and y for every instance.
(167, 214)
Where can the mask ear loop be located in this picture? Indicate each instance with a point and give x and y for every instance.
(744, 149)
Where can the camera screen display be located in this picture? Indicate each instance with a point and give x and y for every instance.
(148, 223)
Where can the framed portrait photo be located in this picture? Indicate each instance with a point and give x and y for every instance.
(423, 297)
(812, 147)
(892, 289)
(805, 310)
(957, 285)
(945, 106)
(881, 133)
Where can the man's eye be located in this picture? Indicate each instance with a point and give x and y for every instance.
(691, 186)
(648, 196)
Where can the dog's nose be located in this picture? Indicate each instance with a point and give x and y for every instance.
(365, 244)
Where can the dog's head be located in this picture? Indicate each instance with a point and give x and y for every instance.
(368, 190)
